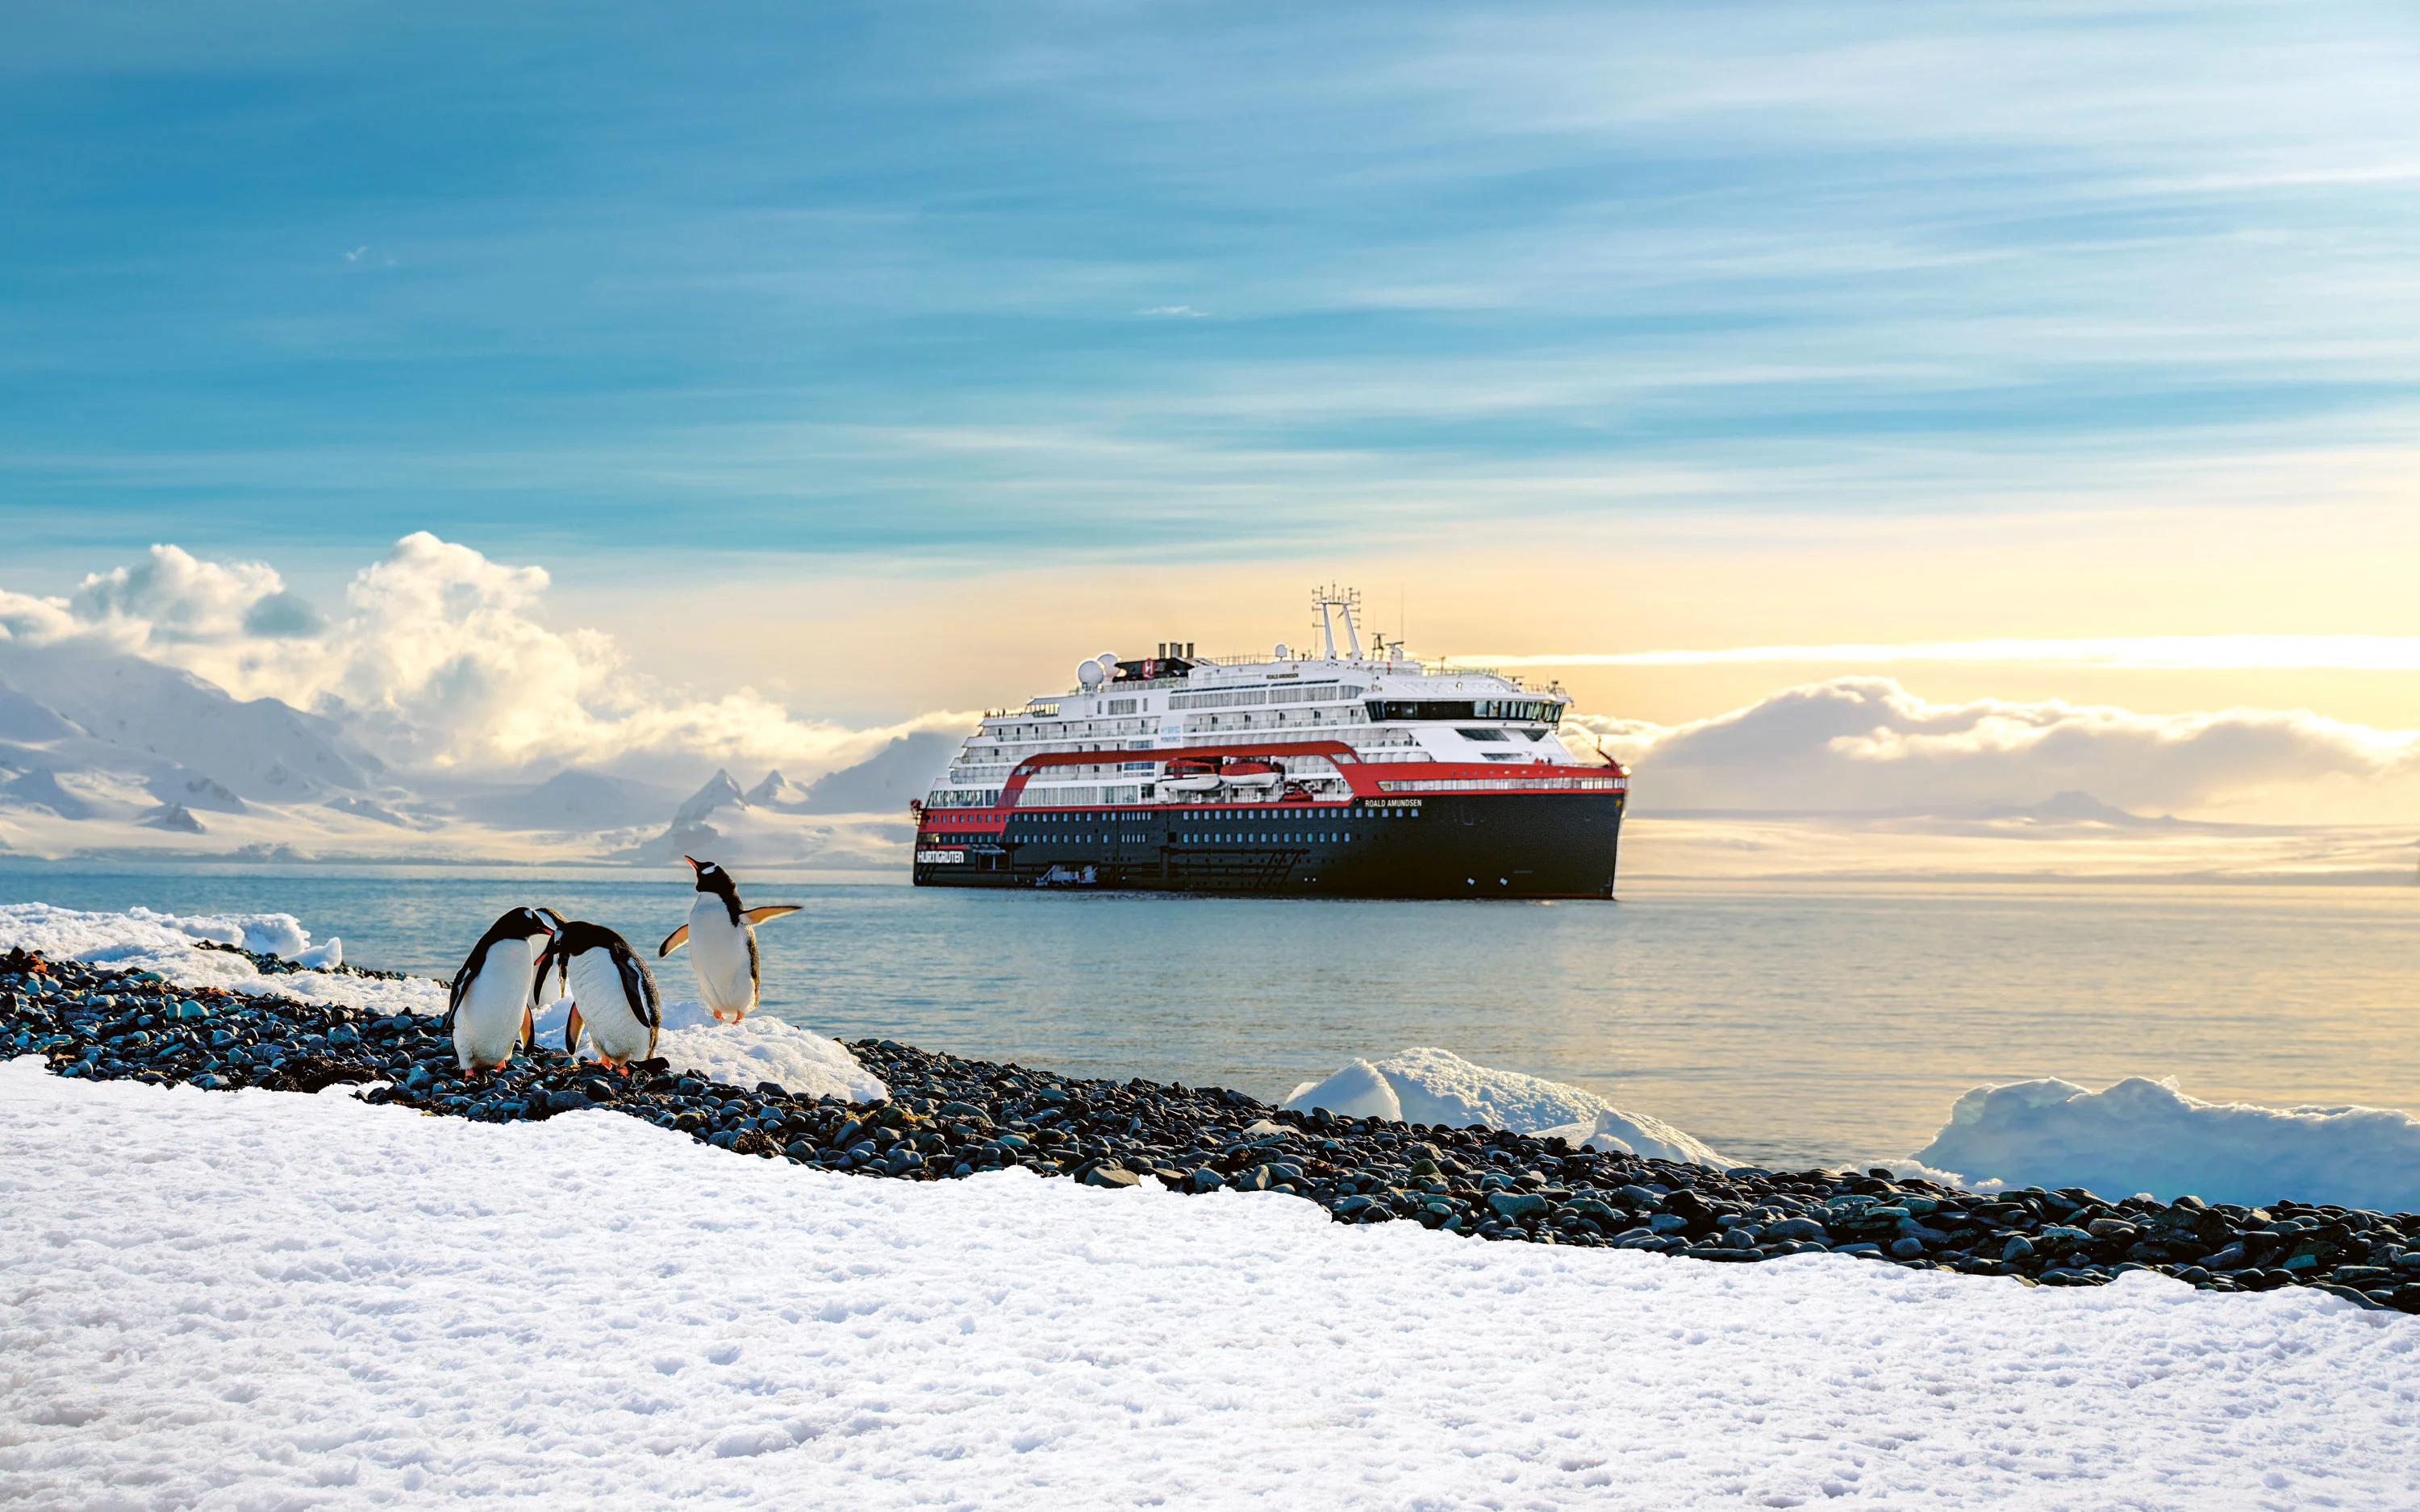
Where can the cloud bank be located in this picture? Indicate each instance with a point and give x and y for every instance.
(2348, 653)
(441, 659)
(1866, 743)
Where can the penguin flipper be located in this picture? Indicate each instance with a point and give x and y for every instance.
(571, 1032)
(529, 1030)
(674, 941)
(759, 915)
(638, 984)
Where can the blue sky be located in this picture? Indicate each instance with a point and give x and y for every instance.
(1016, 284)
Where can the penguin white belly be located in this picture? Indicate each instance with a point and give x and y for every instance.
(605, 1007)
(718, 955)
(487, 1025)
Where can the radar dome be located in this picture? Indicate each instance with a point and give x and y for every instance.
(1282, 650)
(1089, 673)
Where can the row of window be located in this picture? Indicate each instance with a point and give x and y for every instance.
(1384, 710)
(1242, 698)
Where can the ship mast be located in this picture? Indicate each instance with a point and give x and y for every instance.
(1327, 602)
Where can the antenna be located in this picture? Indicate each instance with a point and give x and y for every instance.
(1344, 601)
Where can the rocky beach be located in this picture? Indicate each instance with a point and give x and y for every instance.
(948, 1118)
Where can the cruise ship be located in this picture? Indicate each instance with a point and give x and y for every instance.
(1332, 770)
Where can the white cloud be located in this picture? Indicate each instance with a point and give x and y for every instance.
(174, 596)
(1866, 742)
(441, 659)
(26, 618)
(2354, 653)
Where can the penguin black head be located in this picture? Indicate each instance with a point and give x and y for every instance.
(527, 923)
(712, 878)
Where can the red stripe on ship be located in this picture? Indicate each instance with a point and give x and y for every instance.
(1363, 778)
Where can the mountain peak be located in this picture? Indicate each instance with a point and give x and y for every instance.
(718, 791)
(776, 792)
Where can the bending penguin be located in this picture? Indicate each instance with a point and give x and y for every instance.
(612, 993)
(721, 938)
(487, 1012)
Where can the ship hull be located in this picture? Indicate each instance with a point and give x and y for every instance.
(1458, 845)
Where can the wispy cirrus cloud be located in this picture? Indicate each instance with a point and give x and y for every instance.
(1842, 257)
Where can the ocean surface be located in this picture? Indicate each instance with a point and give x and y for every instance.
(1784, 1024)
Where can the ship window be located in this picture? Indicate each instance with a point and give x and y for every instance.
(1482, 734)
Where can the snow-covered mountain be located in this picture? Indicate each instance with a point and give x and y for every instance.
(103, 753)
(770, 824)
(141, 716)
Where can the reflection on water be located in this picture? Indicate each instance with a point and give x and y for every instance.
(1780, 1023)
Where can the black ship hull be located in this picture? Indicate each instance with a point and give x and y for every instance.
(1447, 845)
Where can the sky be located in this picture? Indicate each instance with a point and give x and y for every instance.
(885, 360)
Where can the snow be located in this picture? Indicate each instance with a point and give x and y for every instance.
(330, 953)
(758, 1049)
(2141, 1136)
(280, 935)
(165, 945)
(1425, 1085)
(272, 1300)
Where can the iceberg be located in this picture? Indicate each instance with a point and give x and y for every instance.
(1426, 1085)
(2144, 1135)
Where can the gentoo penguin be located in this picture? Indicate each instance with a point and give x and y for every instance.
(721, 938)
(612, 993)
(487, 1012)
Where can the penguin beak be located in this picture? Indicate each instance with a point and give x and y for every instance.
(691, 861)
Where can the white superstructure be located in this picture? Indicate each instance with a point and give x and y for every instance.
(1385, 704)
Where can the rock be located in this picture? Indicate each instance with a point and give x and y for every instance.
(1908, 1247)
(2348, 1293)
(1111, 1176)
(1515, 1206)
(1797, 1230)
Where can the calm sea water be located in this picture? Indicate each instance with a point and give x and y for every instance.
(1783, 1024)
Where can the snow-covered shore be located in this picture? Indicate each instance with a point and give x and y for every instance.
(271, 1299)
(173, 949)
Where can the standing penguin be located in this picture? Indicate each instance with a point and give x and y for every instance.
(721, 938)
(487, 1012)
(612, 993)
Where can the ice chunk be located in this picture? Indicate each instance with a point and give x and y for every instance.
(1357, 1090)
(1425, 1085)
(2148, 1136)
(756, 1049)
(321, 957)
(280, 935)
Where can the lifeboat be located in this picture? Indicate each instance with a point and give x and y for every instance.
(1190, 774)
(1251, 775)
